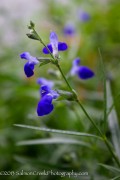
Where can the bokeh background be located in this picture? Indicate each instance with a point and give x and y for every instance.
(19, 95)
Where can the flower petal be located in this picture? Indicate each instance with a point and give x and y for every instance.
(62, 46)
(85, 73)
(44, 90)
(76, 62)
(25, 55)
(54, 40)
(54, 94)
(74, 70)
(28, 69)
(31, 59)
(45, 50)
(45, 106)
(43, 81)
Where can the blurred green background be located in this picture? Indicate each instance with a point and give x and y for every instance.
(19, 96)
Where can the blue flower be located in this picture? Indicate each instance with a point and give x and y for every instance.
(43, 81)
(31, 62)
(45, 105)
(83, 72)
(54, 45)
(83, 16)
(69, 30)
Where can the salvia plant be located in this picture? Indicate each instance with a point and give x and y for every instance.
(48, 92)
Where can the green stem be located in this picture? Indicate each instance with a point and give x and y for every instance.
(91, 120)
(58, 66)
(111, 151)
(43, 44)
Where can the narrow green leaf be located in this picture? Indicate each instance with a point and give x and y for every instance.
(42, 59)
(43, 63)
(58, 131)
(54, 140)
(66, 95)
(116, 98)
(110, 168)
(113, 121)
(104, 86)
(115, 178)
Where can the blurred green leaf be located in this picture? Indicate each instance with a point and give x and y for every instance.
(113, 121)
(58, 131)
(110, 168)
(58, 140)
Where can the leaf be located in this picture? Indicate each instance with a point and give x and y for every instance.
(111, 168)
(42, 59)
(66, 95)
(54, 140)
(115, 178)
(104, 85)
(58, 131)
(116, 98)
(113, 121)
(43, 63)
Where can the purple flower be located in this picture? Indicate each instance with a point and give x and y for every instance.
(83, 16)
(69, 30)
(31, 62)
(54, 45)
(45, 105)
(83, 72)
(43, 81)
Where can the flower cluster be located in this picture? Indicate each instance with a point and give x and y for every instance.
(47, 94)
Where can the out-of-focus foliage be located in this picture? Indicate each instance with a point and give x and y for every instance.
(19, 96)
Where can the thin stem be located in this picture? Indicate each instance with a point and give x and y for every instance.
(79, 120)
(111, 151)
(64, 78)
(43, 44)
(93, 123)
